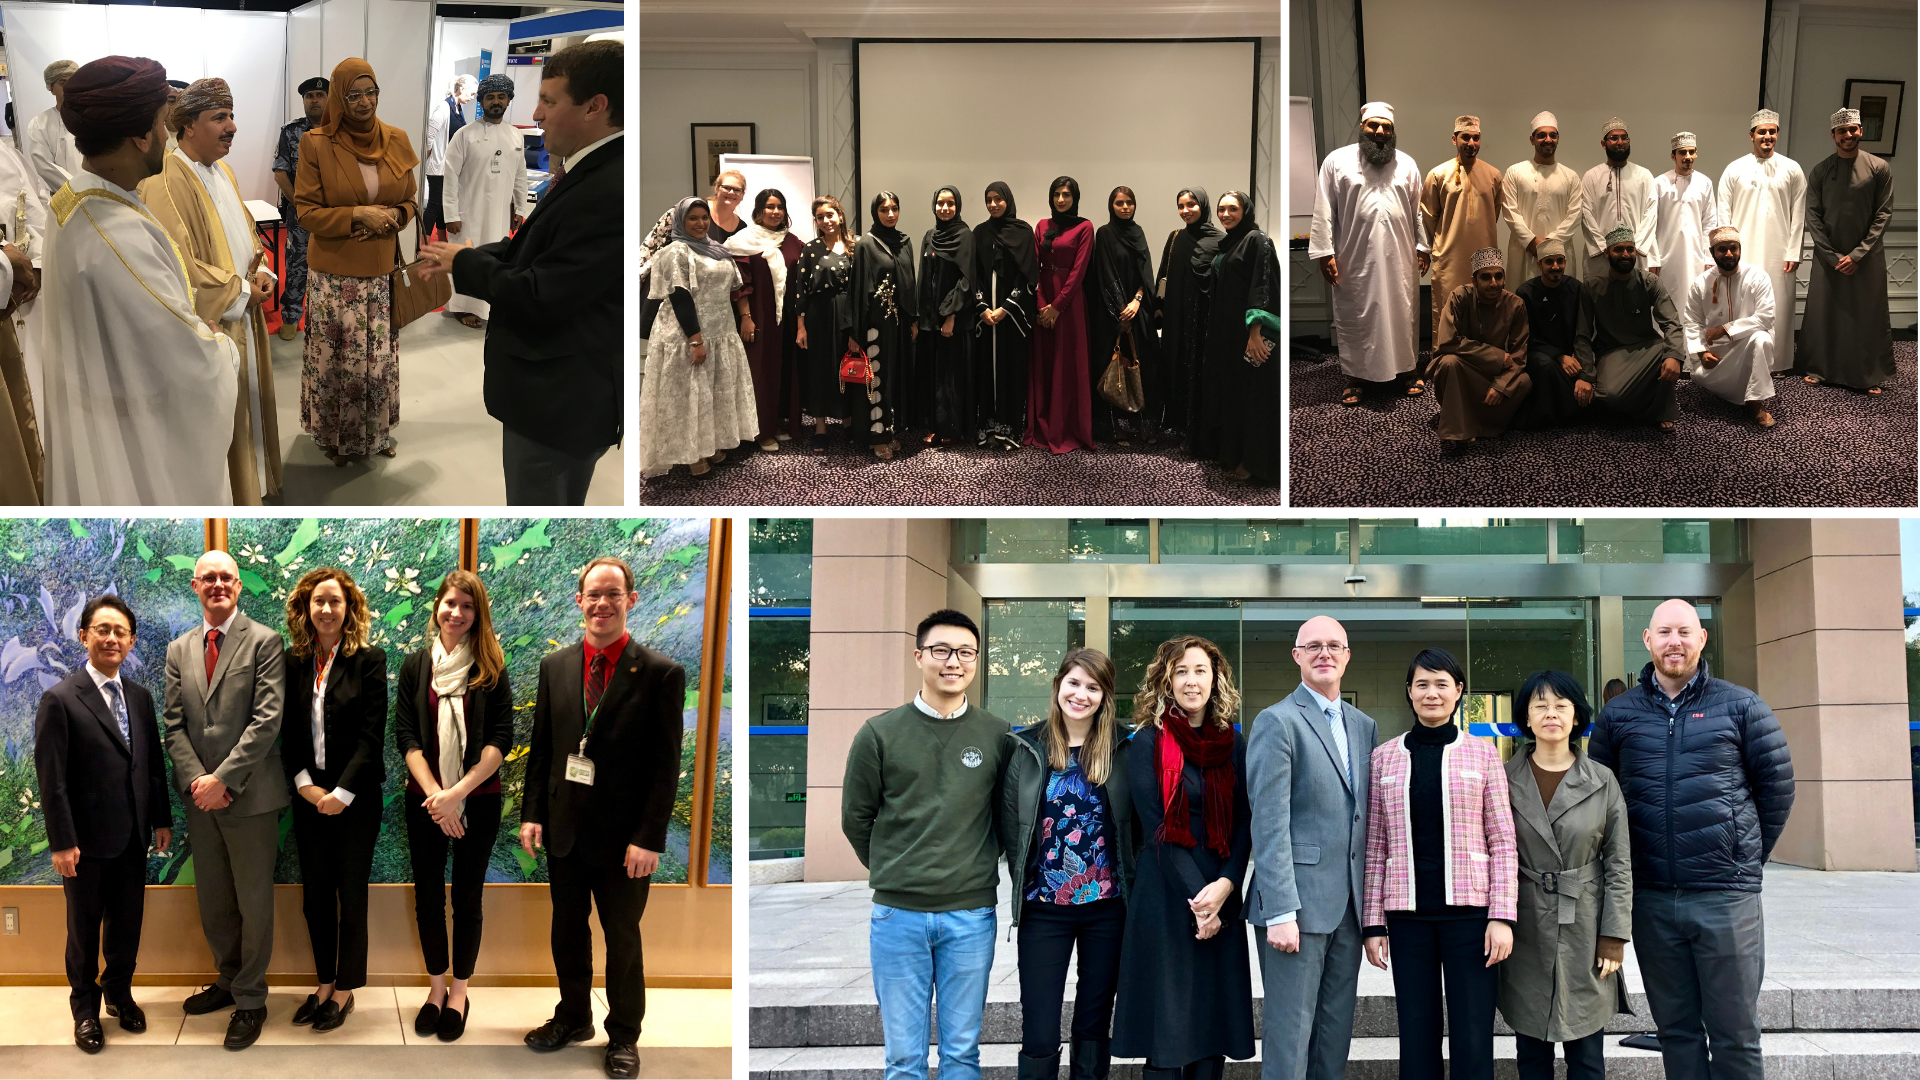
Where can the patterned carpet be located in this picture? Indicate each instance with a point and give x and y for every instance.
(1830, 447)
(956, 476)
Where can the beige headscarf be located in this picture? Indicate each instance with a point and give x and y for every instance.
(450, 685)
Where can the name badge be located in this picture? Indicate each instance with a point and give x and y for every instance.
(580, 769)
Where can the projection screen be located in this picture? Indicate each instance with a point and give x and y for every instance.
(1155, 116)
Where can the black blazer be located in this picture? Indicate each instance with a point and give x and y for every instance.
(553, 353)
(98, 793)
(489, 714)
(635, 747)
(356, 722)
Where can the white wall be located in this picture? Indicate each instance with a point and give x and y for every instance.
(1837, 44)
(773, 90)
(463, 39)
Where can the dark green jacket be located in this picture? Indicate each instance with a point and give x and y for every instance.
(917, 803)
(1022, 789)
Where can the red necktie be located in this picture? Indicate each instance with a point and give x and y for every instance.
(596, 681)
(213, 652)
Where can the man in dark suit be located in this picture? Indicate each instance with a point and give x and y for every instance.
(103, 789)
(554, 350)
(602, 772)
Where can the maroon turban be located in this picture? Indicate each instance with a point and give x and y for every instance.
(115, 97)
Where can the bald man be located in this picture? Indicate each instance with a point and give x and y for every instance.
(1696, 754)
(1307, 771)
(223, 724)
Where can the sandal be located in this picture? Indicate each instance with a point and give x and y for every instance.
(1350, 396)
(1416, 387)
(700, 468)
(883, 451)
(1813, 380)
(818, 443)
(1873, 390)
(471, 321)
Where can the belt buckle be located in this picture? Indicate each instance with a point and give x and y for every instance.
(1550, 882)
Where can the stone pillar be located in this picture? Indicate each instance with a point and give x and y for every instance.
(873, 581)
(1832, 664)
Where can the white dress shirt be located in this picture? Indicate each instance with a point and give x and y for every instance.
(580, 155)
(1338, 723)
(100, 681)
(319, 725)
(921, 704)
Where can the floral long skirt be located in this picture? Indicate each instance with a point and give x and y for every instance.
(350, 373)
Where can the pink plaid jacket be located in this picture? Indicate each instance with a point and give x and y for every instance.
(1482, 861)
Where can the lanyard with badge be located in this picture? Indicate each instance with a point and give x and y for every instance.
(579, 765)
(496, 163)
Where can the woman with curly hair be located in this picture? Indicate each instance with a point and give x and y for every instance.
(333, 741)
(1189, 1003)
(1066, 827)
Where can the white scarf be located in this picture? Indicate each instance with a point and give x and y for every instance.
(450, 683)
(757, 239)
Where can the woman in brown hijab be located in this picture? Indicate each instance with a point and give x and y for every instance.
(354, 192)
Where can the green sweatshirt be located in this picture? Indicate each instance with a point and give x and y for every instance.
(917, 804)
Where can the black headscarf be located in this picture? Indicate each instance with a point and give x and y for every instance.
(760, 205)
(1011, 234)
(949, 238)
(1061, 222)
(1122, 263)
(1231, 239)
(892, 252)
(1202, 238)
(888, 233)
(952, 241)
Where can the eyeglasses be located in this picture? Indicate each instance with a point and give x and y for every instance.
(944, 653)
(222, 578)
(117, 633)
(603, 597)
(1314, 648)
(353, 96)
(731, 190)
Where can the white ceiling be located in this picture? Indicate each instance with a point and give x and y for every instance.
(796, 24)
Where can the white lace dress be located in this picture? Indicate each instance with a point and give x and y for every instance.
(688, 411)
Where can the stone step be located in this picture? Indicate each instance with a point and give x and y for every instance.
(785, 1018)
(1824, 1055)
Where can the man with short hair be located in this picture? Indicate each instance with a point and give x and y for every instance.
(1684, 212)
(1371, 245)
(225, 697)
(444, 121)
(1764, 195)
(1729, 323)
(49, 145)
(286, 165)
(196, 198)
(1460, 202)
(1309, 762)
(139, 407)
(917, 806)
(1541, 199)
(484, 194)
(103, 793)
(554, 374)
(1698, 928)
(1848, 336)
(1617, 192)
(1480, 355)
(603, 769)
(1638, 340)
(1559, 343)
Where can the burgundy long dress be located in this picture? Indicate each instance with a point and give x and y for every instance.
(1059, 387)
(771, 355)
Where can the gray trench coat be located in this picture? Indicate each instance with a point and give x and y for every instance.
(1576, 884)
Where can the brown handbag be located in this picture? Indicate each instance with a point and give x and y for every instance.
(413, 295)
(1121, 383)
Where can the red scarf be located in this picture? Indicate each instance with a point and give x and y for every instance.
(1210, 748)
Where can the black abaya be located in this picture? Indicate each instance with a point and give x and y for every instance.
(826, 302)
(1239, 402)
(1006, 272)
(1122, 272)
(884, 306)
(1173, 388)
(945, 365)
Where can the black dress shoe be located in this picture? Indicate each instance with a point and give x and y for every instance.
(427, 1020)
(454, 1024)
(209, 999)
(132, 1017)
(88, 1036)
(331, 1015)
(304, 1014)
(243, 1028)
(623, 1060)
(557, 1033)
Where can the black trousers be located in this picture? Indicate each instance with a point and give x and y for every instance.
(336, 859)
(1586, 1058)
(1551, 402)
(577, 885)
(1423, 951)
(431, 214)
(427, 846)
(540, 475)
(109, 893)
(1048, 934)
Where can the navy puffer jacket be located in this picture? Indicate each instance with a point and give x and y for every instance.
(1708, 787)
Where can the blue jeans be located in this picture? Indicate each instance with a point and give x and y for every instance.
(915, 955)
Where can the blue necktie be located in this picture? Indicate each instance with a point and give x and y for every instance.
(119, 708)
(1346, 752)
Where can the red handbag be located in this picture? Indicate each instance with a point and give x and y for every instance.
(856, 368)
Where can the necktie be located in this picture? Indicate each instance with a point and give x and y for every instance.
(596, 681)
(119, 708)
(213, 652)
(1346, 753)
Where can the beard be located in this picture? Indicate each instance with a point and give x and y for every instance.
(1617, 155)
(1727, 264)
(1378, 152)
(156, 158)
(496, 112)
(1623, 266)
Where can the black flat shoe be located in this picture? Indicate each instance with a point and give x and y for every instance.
(557, 1033)
(427, 1020)
(88, 1036)
(623, 1060)
(331, 1015)
(454, 1024)
(243, 1028)
(132, 1017)
(209, 999)
(304, 1014)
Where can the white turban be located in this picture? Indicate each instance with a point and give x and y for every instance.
(1764, 116)
(1376, 110)
(1843, 118)
(1613, 124)
(1724, 232)
(1485, 257)
(1684, 140)
(58, 71)
(1543, 119)
(1548, 247)
(1466, 123)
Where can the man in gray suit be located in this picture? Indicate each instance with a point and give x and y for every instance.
(223, 723)
(1308, 763)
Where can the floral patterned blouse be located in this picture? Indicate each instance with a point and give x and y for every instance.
(1071, 861)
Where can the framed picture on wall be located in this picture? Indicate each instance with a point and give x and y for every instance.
(1879, 102)
(709, 142)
